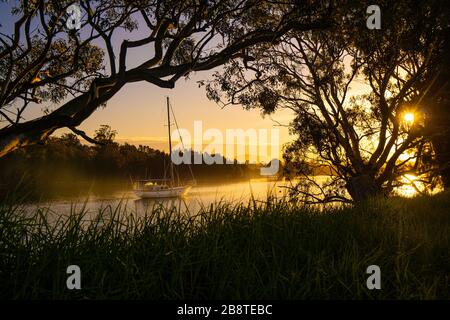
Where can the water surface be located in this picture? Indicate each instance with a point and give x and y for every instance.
(257, 190)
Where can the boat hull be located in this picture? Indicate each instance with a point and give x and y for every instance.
(166, 193)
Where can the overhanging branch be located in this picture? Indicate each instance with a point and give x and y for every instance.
(83, 134)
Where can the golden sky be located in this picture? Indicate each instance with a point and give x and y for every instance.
(138, 113)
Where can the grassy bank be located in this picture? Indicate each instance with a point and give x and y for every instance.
(255, 251)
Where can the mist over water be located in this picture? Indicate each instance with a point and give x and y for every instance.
(202, 196)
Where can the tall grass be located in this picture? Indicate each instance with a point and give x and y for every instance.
(271, 250)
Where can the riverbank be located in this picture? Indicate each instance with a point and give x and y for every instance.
(253, 251)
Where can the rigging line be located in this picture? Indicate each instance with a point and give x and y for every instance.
(181, 138)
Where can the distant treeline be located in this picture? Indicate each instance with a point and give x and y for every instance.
(64, 161)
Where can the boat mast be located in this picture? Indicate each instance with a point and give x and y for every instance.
(170, 141)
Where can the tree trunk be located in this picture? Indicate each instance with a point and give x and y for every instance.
(363, 187)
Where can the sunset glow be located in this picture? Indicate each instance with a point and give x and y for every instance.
(224, 155)
(409, 189)
(409, 118)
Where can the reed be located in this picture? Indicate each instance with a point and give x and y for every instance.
(269, 250)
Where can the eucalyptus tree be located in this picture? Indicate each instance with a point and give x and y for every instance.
(435, 85)
(353, 93)
(70, 57)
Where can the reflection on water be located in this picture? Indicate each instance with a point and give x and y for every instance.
(205, 196)
(199, 197)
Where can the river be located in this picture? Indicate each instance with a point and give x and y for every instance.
(198, 197)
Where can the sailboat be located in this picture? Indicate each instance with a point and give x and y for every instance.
(163, 188)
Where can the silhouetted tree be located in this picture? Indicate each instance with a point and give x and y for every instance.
(363, 138)
(45, 62)
(43, 169)
(434, 17)
(105, 134)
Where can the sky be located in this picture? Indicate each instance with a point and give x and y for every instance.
(138, 111)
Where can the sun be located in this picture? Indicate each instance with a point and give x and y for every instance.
(408, 117)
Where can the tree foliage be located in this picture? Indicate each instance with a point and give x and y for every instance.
(349, 89)
(63, 166)
(70, 73)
